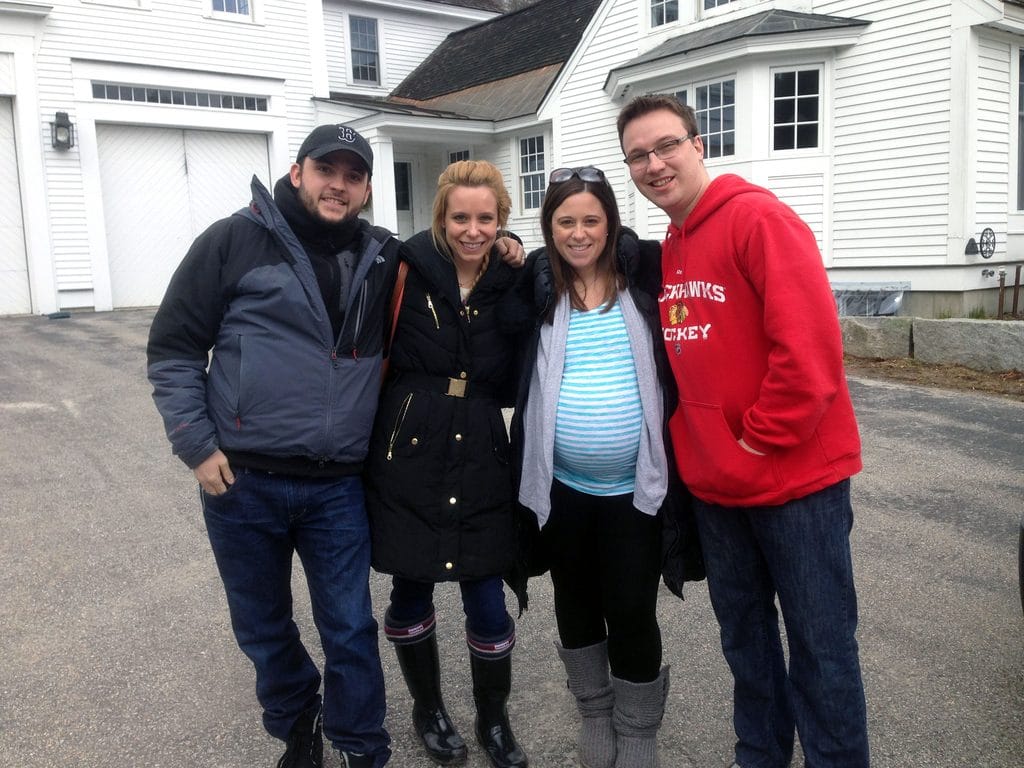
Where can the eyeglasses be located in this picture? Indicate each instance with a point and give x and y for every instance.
(665, 150)
(587, 173)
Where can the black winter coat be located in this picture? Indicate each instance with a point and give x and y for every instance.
(439, 482)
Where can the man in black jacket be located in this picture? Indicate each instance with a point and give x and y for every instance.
(291, 295)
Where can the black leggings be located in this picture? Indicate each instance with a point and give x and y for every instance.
(605, 558)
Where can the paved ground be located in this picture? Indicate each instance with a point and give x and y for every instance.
(115, 648)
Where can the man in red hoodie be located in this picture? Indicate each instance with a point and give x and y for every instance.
(765, 437)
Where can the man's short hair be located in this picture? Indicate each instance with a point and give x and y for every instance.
(652, 102)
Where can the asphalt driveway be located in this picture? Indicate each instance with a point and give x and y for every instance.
(115, 647)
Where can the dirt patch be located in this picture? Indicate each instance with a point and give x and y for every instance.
(1009, 384)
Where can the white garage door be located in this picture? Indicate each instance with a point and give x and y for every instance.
(14, 294)
(161, 188)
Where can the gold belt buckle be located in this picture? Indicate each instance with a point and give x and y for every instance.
(456, 387)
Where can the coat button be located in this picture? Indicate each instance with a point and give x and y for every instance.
(449, 566)
(415, 441)
(476, 312)
(458, 438)
(452, 500)
(462, 374)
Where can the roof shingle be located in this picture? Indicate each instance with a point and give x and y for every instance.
(534, 37)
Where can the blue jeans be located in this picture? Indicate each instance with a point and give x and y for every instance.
(799, 552)
(483, 602)
(254, 529)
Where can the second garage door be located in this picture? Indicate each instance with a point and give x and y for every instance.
(161, 188)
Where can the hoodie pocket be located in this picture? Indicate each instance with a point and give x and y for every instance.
(712, 459)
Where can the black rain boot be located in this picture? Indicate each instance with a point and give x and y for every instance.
(492, 683)
(421, 670)
(305, 742)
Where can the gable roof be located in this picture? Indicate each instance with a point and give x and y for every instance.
(755, 25)
(505, 61)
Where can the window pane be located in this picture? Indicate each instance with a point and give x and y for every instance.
(785, 84)
(782, 137)
(807, 109)
(807, 136)
(784, 111)
(808, 81)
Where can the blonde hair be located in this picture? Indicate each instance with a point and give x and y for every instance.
(467, 173)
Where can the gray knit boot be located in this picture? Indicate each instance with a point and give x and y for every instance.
(587, 673)
(639, 708)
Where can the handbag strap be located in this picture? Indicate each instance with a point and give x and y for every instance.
(396, 300)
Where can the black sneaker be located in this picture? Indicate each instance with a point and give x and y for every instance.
(353, 760)
(305, 742)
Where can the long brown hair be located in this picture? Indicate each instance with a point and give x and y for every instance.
(564, 273)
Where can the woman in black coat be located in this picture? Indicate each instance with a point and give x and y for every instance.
(439, 484)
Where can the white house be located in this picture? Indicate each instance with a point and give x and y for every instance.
(894, 128)
(171, 106)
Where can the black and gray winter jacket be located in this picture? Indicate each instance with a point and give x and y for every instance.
(280, 390)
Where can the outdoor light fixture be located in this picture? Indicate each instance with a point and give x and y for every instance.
(62, 131)
(972, 248)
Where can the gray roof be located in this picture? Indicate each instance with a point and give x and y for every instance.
(756, 25)
(498, 6)
(524, 50)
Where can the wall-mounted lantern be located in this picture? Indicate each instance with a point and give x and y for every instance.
(62, 131)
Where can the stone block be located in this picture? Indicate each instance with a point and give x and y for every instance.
(984, 345)
(881, 337)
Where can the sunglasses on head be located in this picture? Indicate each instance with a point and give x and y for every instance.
(587, 173)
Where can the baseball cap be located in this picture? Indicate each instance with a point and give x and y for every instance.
(332, 137)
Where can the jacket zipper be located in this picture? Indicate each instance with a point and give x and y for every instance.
(430, 306)
(359, 319)
(399, 420)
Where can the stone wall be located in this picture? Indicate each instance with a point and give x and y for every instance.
(984, 345)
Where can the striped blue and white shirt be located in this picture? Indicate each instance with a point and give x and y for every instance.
(599, 417)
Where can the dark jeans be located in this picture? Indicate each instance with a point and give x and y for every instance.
(482, 600)
(605, 560)
(799, 552)
(254, 529)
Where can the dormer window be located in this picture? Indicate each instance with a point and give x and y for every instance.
(664, 12)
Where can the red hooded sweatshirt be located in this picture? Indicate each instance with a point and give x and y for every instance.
(753, 338)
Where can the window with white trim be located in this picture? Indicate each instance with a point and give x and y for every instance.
(457, 155)
(796, 109)
(715, 106)
(234, 7)
(365, 50)
(531, 172)
(664, 12)
(708, 4)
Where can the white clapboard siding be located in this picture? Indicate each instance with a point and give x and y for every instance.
(14, 291)
(993, 124)
(191, 179)
(166, 40)
(806, 196)
(891, 135)
(612, 41)
(405, 38)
